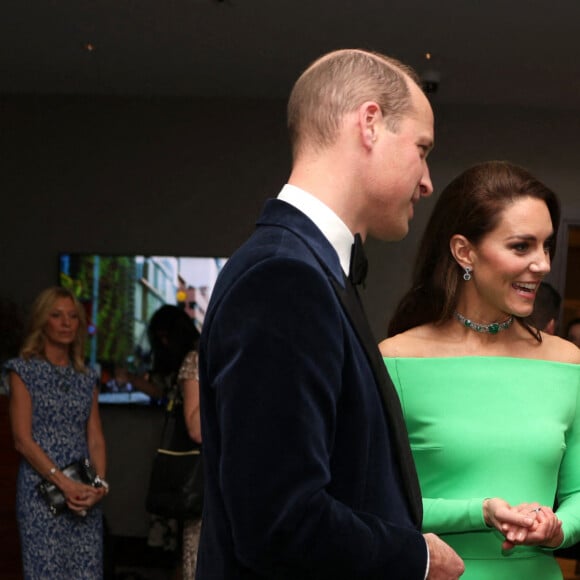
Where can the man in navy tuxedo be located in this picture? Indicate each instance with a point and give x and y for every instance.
(307, 462)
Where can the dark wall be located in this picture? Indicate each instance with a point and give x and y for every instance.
(120, 176)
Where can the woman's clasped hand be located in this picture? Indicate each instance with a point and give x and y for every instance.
(524, 524)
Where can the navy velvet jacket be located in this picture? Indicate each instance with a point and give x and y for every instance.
(303, 474)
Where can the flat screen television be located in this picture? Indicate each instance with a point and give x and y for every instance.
(120, 293)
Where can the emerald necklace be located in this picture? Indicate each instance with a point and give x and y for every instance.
(492, 328)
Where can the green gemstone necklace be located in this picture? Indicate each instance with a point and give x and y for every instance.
(492, 328)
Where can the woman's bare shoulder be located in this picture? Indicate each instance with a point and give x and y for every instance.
(559, 350)
(411, 343)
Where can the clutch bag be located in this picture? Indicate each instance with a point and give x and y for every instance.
(81, 471)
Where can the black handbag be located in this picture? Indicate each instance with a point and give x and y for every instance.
(176, 480)
(81, 471)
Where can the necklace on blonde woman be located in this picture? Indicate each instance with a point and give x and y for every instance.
(491, 328)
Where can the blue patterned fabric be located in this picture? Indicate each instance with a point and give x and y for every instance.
(64, 546)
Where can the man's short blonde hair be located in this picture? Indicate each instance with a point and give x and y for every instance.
(339, 82)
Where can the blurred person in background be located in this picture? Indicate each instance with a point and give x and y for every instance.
(546, 309)
(573, 331)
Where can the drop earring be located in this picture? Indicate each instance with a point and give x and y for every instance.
(467, 275)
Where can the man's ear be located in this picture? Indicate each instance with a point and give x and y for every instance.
(462, 250)
(370, 116)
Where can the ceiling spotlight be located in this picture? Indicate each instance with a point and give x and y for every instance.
(89, 47)
(430, 77)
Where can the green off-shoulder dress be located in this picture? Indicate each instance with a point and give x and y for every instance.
(493, 427)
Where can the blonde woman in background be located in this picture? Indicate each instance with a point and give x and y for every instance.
(55, 421)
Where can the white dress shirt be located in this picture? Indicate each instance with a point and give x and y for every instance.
(331, 226)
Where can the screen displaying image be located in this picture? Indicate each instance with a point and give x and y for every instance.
(120, 293)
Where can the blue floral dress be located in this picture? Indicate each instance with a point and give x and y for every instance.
(67, 545)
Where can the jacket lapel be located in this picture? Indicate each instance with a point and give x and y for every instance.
(392, 406)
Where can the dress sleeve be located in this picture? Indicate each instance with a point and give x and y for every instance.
(18, 366)
(446, 516)
(189, 368)
(569, 479)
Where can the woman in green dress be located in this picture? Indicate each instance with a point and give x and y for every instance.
(491, 403)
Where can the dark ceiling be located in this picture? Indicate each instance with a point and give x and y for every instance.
(497, 51)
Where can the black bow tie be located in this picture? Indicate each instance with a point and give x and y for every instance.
(358, 262)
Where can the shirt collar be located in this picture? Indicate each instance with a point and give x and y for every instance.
(331, 226)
